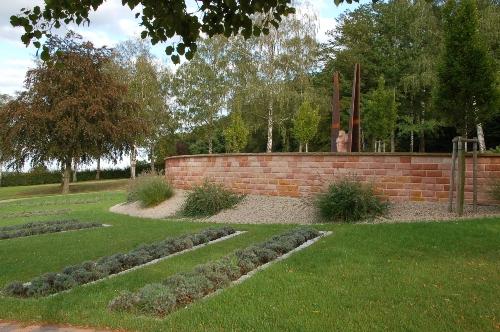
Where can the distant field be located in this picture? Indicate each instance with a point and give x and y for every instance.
(55, 189)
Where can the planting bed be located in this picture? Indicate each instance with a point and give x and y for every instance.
(181, 289)
(37, 228)
(92, 271)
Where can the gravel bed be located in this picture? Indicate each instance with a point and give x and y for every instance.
(256, 209)
(166, 209)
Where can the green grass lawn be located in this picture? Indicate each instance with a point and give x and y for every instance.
(55, 189)
(404, 277)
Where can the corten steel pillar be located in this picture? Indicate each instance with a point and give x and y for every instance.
(335, 112)
(354, 122)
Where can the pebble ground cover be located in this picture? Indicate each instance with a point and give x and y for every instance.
(425, 276)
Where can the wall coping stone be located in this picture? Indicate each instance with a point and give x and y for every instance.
(340, 154)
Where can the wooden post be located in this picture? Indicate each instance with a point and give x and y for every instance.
(452, 175)
(474, 176)
(461, 178)
(335, 112)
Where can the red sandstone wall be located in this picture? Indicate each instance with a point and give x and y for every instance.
(417, 177)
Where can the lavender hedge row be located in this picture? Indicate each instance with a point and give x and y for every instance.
(71, 276)
(37, 228)
(177, 291)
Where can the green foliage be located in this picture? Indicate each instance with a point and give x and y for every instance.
(80, 274)
(184, 288)
(495, 189)
(236, 133)
(160, 21)
(305, 122)
(380, 112)
(467, 93)
(150, 189)
(208, 199)
(44, 227)
(348, 201)
(35, 177)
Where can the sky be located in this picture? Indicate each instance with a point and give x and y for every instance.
(110, 24)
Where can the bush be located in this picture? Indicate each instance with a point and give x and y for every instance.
(80, 274)
(36, 228)
(186, 287)
(349, 200)
(495, 190)
(150, 189)
(209, 199)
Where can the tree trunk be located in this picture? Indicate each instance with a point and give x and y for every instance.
(421, 144)
(98, 171)
(411, 141)
(210, 145)
(1, 170)
(66, 176)
(152, 159)
(270, 123)
(300, 147)
(75, 170)
(480, 137)
(133, 161)
(307, 147)
(393, 141)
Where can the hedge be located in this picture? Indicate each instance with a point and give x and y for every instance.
(37, 228)
(181, 289)
(10, 179)
(80, 274)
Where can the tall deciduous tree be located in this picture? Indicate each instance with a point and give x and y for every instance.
(379, 113)
(466, 95)
(201, 87)
(4, 99)
(305, 124)
(70, 104)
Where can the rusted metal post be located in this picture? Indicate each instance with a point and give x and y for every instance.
(452, 175)
(335, 112)
(354, 123)
(461, 177)
(474, 175)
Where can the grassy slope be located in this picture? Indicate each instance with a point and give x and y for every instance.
(55, 189)
(433, 277)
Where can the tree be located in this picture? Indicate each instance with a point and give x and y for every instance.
(201, 87)
(305, 124)
(466, 94)
(160, 20)
(71, 109)
(236, 133)
(379, 113)
(4, 99)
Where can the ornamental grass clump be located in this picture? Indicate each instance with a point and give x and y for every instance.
(209, 199)
(349, 200)
(149, 189)
(183, 288)
(89, 271)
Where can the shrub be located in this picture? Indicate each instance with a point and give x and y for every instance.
(348, 201)
(209, 199)
(187, 287)
(150, 189)
(495, 190)
(89, 271)
(36, 228)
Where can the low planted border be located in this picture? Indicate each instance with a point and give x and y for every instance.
(45, 227)
(37, 213)
(179, 290)
(109, 266)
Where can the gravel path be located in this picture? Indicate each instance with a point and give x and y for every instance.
(166, 209)
(256, 209)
